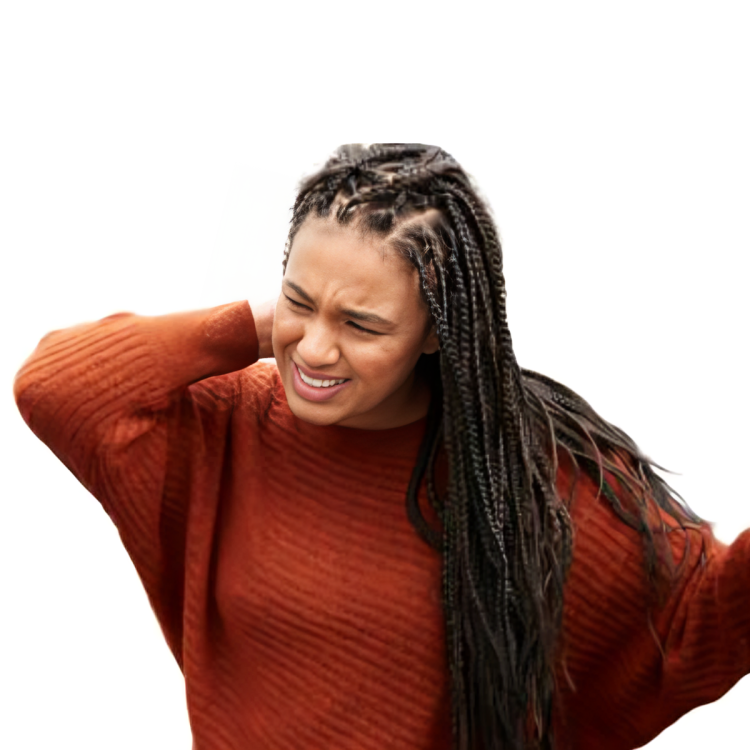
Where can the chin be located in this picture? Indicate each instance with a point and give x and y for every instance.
(308, 413)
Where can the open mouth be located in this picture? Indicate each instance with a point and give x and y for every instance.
(313, 389)
(320, 383)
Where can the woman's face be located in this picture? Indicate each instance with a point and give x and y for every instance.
(350, 308)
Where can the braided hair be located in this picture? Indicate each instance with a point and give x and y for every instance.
(506, 539)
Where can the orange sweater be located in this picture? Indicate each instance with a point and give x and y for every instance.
(301, 605)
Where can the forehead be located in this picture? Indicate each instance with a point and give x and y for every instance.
(327, 249)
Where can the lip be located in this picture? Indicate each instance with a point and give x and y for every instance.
(309, 392)
(317, 375)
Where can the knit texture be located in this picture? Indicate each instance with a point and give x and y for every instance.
(301, 605)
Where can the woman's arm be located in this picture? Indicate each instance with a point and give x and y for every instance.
(97, 386)
(128, 404)
(707, 626)
(634, 664)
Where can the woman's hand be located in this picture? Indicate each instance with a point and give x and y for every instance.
(263, 313)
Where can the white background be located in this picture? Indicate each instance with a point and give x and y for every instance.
(149, 153)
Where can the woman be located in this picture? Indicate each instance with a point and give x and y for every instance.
(540, 586)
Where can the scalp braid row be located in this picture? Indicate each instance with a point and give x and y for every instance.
(506, 538)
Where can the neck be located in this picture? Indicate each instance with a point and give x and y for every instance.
(410, 403)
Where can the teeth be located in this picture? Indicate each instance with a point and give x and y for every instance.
(318, 383)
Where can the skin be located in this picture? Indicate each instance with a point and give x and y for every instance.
(340, 268)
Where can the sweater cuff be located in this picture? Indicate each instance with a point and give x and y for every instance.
(230, 338)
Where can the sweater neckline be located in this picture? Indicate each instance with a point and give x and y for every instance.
(354, 433)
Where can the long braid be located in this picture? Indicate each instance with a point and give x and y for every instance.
(506, 540)
(510, 543)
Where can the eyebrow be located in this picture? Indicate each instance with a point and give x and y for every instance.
(366, 317)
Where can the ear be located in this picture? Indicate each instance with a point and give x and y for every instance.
(431, 343)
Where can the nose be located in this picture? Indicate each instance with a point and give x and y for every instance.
(318, 347)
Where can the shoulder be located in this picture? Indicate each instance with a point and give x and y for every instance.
(604, 495)
(636, 518)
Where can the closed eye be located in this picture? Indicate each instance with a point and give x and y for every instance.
(351, 323)
(296, 304)
(364, 330)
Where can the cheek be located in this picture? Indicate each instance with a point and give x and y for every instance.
(384, 364)
(286, 328)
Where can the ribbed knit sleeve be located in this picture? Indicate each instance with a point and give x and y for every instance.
(131, 406)
(706, 626)
(632, 668)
